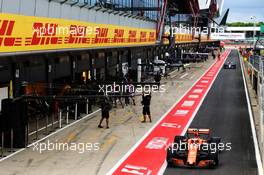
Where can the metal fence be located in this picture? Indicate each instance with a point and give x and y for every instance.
(261, 101)
(255, 60)
(261, 71)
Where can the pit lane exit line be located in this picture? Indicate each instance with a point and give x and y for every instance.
(148, 154)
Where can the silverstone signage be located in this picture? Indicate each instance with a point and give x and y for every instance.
(228, 36)
(25, 33)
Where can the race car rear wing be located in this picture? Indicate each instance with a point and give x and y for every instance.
(198, 131)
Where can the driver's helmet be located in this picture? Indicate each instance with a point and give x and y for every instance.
(196, 134)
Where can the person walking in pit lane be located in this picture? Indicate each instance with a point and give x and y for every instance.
(131, 91)
(213, 53)
(105, 108)
(157, 78)
(218, 54)
(146, 98)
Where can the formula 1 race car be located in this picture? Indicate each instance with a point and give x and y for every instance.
(193, 151)
(229, 65)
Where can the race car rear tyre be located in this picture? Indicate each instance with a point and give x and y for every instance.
(169, 157)
(215, 158)
(180, 144)
(178, 139)
(214, 153)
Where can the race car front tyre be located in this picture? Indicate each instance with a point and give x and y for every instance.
(214, 156)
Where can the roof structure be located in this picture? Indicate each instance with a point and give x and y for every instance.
(183, 7)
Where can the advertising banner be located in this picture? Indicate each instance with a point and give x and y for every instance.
(27, 33)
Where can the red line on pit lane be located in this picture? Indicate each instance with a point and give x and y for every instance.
(148, 155)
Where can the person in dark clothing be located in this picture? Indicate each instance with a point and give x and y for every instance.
(105, 108)
(213, 53)
(218, 54)
(146, 98)
(131, 91)
(157, 78)
(127, 102)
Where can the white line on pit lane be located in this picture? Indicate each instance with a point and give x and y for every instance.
(184, 75)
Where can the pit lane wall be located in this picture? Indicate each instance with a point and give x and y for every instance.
(253, 71)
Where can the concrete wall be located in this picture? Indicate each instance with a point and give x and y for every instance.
(54, 9)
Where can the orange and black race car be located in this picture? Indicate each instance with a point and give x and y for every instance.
(195, 150)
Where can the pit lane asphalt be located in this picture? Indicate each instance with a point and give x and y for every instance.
(225, 112)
